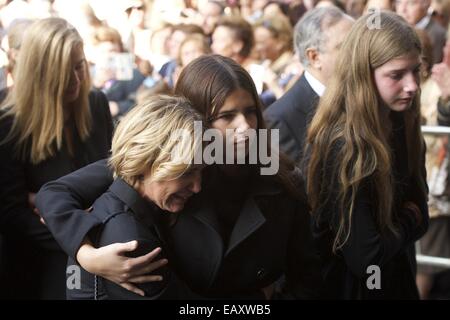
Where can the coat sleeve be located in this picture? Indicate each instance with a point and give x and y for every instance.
(366, 245)
(123, 227)
(16, 217)
(62, 204)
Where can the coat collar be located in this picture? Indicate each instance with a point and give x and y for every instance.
(250, 218)
(144, 210)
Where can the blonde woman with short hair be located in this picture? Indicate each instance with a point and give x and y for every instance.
(154, 176)
(50, 124)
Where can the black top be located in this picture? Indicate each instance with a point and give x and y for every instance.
(345, 274)
(21, 227)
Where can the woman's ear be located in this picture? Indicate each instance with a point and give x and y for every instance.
(237, 47)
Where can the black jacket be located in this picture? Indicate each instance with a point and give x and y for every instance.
(291, 114)
(271, 236)
(126, 216)
(29, 244)
(346, 273)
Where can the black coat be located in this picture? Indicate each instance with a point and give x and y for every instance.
(271, 236)
(127, 216)
(291, 114)
(346, 273)
(35, 261)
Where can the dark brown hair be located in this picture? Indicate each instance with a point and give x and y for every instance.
(208, 81)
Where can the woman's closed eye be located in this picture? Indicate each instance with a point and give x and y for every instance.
(251, 111)
(225, 116)
(396, 75)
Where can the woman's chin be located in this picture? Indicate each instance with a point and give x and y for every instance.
(175, 206)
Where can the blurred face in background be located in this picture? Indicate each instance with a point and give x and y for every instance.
(136, 15)
(175, 41)
(266, 45)
(210, 13)
(190, 50)
(172, 195)
(412, 10)
(355, 8)
(224, 43)
(378, 4)
(160, 41)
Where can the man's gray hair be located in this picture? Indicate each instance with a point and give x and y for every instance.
(309, 32)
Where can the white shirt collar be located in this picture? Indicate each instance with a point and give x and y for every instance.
(422, 24)
(315, 84)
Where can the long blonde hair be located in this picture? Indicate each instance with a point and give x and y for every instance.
(346, 137)
(41, 77)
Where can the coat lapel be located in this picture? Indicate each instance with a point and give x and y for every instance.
(251, 218)
(197, 228)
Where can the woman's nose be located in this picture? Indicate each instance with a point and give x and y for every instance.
(241, 123)
(411, 84)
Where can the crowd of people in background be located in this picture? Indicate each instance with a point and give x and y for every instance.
(73, 71)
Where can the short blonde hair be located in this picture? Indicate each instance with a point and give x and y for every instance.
(144, 140)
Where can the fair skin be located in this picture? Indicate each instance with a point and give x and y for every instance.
(412, 10)
(210, 13)
(189, 51)
(354, 8)
(110, 261)
(78, 62)
(171, 195)
(238, 113)
(441, 73)
(378, 4)
(397, 81)
(323, 61)
(175, 41)
(266, 45)
(225, 44)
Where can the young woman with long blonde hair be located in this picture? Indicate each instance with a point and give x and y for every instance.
(50, 124)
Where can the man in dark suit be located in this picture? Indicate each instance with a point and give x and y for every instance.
(317, 39)
(418, 14)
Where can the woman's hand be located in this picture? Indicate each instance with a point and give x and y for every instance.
(111, 263)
